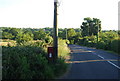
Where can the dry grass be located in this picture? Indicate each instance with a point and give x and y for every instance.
(3, 43)
(6, 42)
(63, 50)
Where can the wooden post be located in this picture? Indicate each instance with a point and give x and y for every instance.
(55, 30)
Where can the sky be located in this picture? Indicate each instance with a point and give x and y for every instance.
(39, 13)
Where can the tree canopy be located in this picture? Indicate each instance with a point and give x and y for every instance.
(90, 26)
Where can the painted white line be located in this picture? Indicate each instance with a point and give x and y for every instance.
(100, 56)
(107, 61)
(114, 64)
(110, 62)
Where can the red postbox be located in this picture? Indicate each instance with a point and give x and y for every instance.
(51, 53)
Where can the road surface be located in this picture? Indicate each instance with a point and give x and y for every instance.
(91, 63)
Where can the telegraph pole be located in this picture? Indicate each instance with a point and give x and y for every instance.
(98, 34)
(66, 33)
(55, 31)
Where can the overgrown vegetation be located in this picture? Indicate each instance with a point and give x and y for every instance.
(63, 50)
(25, 56)
(25, 63)
(30, 61)
(106, 43)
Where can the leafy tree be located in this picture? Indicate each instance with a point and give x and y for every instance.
(5, 29)
(108, 36)
(90, 26)
(48, 31)
(119, 32)
(62, 33)
(14, 31)
(40, 34)
(28, 31)
(6, 35)
(70, 33)
(23, 38)
(77, 37)
(48, 39)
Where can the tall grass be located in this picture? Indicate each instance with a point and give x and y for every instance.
(63, 50)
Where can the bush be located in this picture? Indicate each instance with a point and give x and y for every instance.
(101, 45)
(25, 63)
(108, 40)
(23, 38)
(30, 62)
(115, 45)
(37, 43)
(48, 39)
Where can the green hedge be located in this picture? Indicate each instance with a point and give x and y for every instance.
(115, 45)
(111, 44)
(29, 62)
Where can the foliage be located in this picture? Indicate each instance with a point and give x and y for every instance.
(25, 63)
(89, 41)
(11, 31)
(6, 35)
(48, 31)
(90, 26)
(107, 40)
(14, 31)
(29, 62)
(115, 44)
(36, 34)
(63, 50)
(49, 39)
(39, 35)
(28, 58)
(70, 33)
(62, 34)
(79, 36)
(21, 37)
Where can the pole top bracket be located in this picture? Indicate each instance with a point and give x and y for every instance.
(55, 0)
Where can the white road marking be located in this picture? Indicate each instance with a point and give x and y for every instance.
(108, 61)
(113, 64)
(100, 56)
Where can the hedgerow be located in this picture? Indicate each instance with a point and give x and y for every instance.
(25, 62)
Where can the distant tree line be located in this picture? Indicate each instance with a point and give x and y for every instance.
(85, 35)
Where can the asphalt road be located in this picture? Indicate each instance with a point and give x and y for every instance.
(91, 63)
